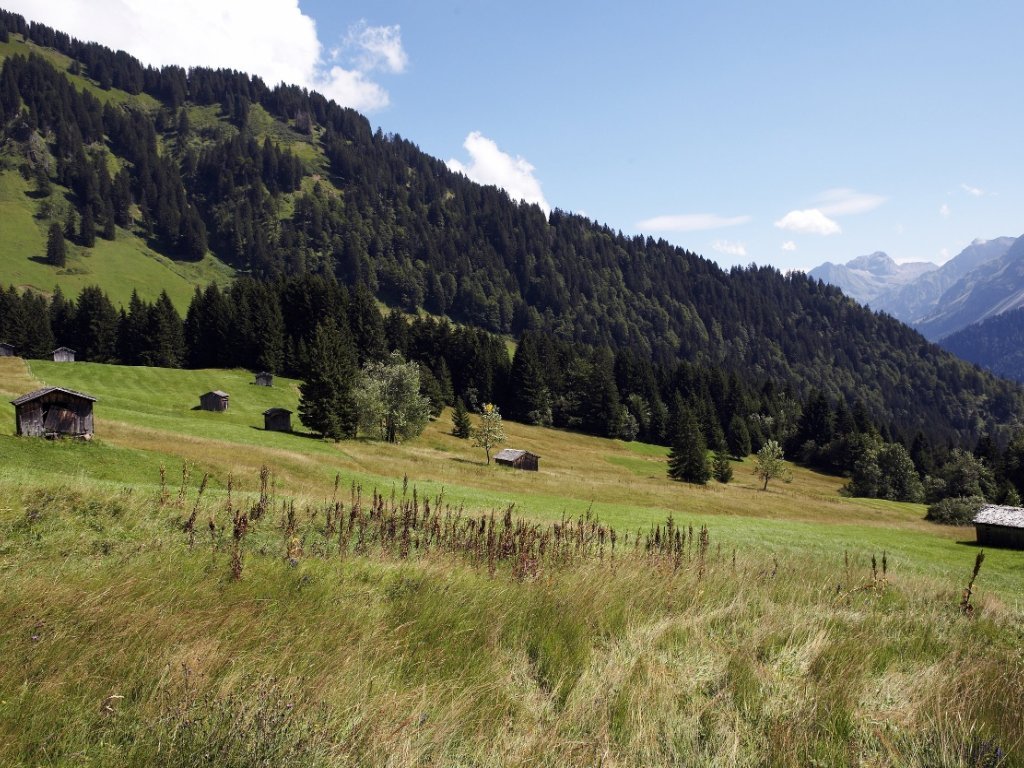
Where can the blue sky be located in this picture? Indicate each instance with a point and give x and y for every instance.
(787, 133)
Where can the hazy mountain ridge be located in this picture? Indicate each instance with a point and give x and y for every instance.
(914, 302)
(995, 287)
(865, 278)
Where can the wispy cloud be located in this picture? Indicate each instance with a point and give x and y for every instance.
(846, 202)
(789, 245)
(690, 222)
(944, 210)
(729, 248)
(273, 39)
(490, 165)
(972, 191)
(810, 221)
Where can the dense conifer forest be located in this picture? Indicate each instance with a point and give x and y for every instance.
(324, 218)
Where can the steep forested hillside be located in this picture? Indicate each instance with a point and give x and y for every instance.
(280, 182)
(996, 344)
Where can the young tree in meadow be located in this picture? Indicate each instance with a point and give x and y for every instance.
(490, 432)
(770, 464)
(461, 425)
(390, 405)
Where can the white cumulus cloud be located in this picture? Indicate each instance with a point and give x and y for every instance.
(972, 191)
(690, 222)
(488, 164)
(789, 245)
(730, 248)
(273, 39)
(810, 221)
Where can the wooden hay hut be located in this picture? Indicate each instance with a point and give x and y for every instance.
(512, 457)
(264, 379)
(54, 412)
(1000, 526)
(6, 350)
(277, 420)
(63, 355)
(214, 401)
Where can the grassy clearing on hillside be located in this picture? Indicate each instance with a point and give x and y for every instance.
(147, 652)
(118, 266)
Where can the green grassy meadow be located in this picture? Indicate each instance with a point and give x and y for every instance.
(775, 645)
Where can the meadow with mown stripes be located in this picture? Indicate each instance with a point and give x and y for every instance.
(167, 603)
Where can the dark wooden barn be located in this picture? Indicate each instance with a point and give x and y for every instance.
(1000, 527)
(277, 420)
(54, 412)
(63, 355)
(6, 350)
(512, 457)
(214, 401)
(264, 379)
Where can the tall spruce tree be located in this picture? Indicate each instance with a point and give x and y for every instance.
(688, 459)
(56, 250)
(327, 402)
(461, 425)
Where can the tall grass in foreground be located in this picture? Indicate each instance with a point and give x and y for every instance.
(386, 629)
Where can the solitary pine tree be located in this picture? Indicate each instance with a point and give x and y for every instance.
(326, 402)
(721, 467)
(461, 424)
(688, 459)
(56, 250)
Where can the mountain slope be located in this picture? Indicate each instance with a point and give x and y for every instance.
(281, 181)
(868, 277)
(918, 299)
(995, 287)
(996, 344)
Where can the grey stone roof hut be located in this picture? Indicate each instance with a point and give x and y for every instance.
(54, 412)
(513, 457)
(998, 526)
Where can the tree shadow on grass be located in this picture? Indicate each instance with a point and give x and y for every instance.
(469, 461)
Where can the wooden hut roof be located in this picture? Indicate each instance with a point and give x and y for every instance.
(63, 349)
(218, 393)
(1008, 517)
(275, 411)
(47, 390)
(511, 454)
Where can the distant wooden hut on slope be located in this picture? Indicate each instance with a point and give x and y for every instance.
(264, 379)
(998, 526)
(277, 420)
(214, 401)
(6, 350)
(63, 355)
(513, 457)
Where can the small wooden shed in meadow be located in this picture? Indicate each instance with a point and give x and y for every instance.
(6, 350)
(264, 379)
(998, 526)
(277, 420)
(513, 457)
(63, 355)
(54, 412)
(214, 401)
